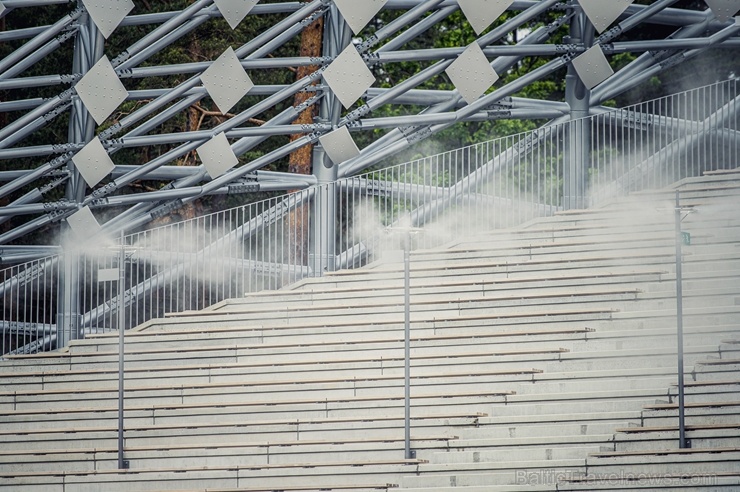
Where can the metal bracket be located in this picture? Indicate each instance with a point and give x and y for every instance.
(358, 113)
(120, 59)
(637, 121)
(110, 131)
(671, 61)
(498, 114)
(166, 208)
(367, 44)
(371, 59)
(105, 190)
(421, 134)
(56, 215)
(57, 111)
(609, 35)
(243, 187)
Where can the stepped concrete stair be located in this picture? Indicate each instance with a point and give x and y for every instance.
(540, 354)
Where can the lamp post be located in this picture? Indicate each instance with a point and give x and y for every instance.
(680, 238)
(123, 464)
(407, 233)
(408, 453)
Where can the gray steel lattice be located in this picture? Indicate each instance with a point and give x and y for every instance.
(49, 119)
(31, 163)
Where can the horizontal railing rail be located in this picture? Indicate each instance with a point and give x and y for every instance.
(347, 224)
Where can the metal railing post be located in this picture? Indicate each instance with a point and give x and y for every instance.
(408, 453)
(683, 443)
(122, 463)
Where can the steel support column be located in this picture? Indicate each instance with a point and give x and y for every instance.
(575, 169)
(89, 45)
(322, 250)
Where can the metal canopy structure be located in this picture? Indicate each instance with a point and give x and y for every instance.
(77, 178)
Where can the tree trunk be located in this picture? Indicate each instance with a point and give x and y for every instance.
(300, 160)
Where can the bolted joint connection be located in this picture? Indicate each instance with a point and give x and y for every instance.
(166, 209)
(61, 148)
(568, 57)
(99, 203)
(309, 128)
(419, 135)
(105, 190)
(110, 131)
(358, 113)
(61, 160)
(66, 35)
(320, 60)
(313, 137)
(59, 205)
(50, 186)
(56, 215)
(671, 61)
(498, 114)
(56, 111)
(503, 103)
(125, 73)
(609, 35)
(371, 59)
(243, 187)
(408, 130)
(70, 78)
(113, 143)
(367, 44)
(120, 59)
(306, 104)
(566, 48)
(312, 18)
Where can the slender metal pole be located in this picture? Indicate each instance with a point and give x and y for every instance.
(407, 345)
(679, 325)
(121, 328)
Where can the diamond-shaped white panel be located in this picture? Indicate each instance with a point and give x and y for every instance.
(471, 73)
(2, 10)
(348, 76)
(724, 10)
(602, 13)
(482, 13)
(107, 14)
(592, 67)
(226, 81)
(93, 162)
(339, 145)
(83, 223)
(234, 11)
(217, 156)
(358, 13)
(100, 90)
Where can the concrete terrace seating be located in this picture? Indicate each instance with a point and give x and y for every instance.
(543, 358)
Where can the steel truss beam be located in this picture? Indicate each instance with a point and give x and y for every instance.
(36, 172)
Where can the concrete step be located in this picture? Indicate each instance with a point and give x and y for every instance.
(247, 411)
(218, 455)
(714, 482)
(214, 392)
(713, 436)
(481, 474)
(207, 434)
(270, 477)
(516, 453)
(539, 430)
(666, 461)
